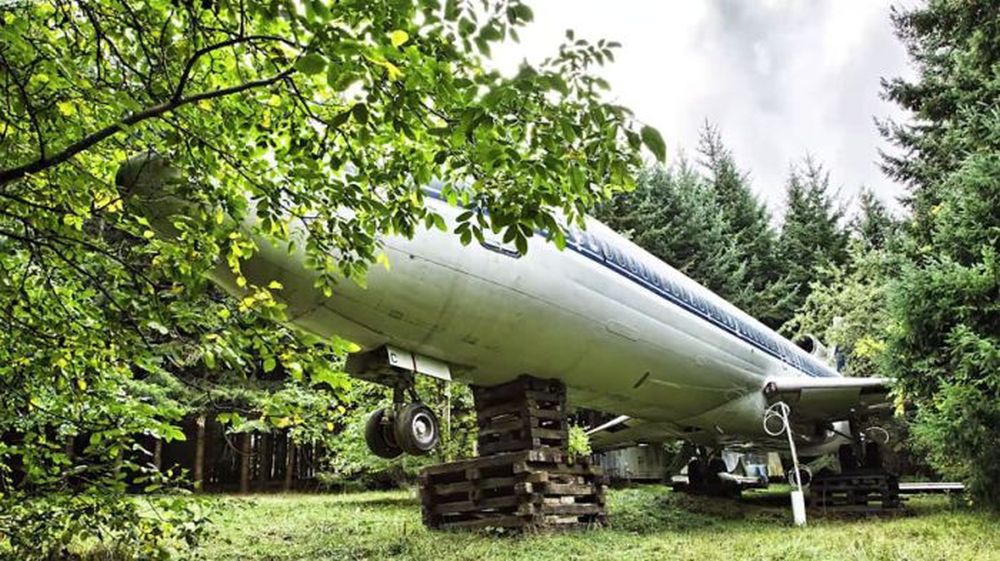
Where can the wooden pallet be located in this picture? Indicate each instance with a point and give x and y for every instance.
(524, 414)
(531, 489)
(855, 490)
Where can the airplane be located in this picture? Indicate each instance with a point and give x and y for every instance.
(627, 333)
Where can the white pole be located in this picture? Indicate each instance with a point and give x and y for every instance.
(781, 409)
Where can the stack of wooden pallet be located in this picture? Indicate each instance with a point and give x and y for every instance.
(526, 489)
(525, 414)
(523, 478)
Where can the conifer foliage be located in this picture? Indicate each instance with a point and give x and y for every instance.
(812, 237)
(747, 225)
(944, 347)
(672, 215)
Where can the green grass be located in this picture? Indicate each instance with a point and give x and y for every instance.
(646, 523)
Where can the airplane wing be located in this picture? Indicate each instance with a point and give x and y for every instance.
(812, 400)
(831, 399)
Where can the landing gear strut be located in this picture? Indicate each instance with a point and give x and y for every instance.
(704, 477)
(405, 427)
(862, 480)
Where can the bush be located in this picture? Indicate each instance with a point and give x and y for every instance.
(100, 525)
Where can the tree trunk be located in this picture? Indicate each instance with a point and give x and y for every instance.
(447, 422)
(289, 462)
(199, 453)
(245, 456)
(266, 457)
(158, 454)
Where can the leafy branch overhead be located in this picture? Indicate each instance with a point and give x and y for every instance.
(330, 117)
(312, 109)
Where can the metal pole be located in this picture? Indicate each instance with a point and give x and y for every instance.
(781, 410)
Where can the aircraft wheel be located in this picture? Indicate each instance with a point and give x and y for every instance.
(380, 437)
(805, 476)
(417, 429)
(848, 461)
(715, 467)
(873, 456)
(696, 473)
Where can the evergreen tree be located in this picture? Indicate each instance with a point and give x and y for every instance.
(747, 224)
(954, 47)
(812, 239)
(873, 224)
(944, 348)
(672, 215)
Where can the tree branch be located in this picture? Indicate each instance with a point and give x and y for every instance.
(14, 174)
(221, 45)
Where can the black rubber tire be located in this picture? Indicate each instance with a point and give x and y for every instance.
(873, 456)
(715, 467)
(380, 436)
(804, 473)
(845, 456)
(696, 473)
(417, 429)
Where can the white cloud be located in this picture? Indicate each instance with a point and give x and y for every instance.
(781, 78)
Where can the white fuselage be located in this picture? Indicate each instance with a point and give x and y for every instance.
(627, 333)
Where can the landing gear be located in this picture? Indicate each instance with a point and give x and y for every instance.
(696, 473)
(862, 481)
(846, 457)
(405, 427)
(705, 477)
(417, 429)
(380, 435)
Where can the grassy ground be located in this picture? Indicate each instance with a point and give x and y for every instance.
(646, 523)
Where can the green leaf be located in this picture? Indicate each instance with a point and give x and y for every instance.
(311, 63)
(522, 244)
(522, 13)
(326, 376)
(560, 240)
(360, 112)
(398, 37)
(652, 139)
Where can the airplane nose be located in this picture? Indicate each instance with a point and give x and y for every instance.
(148, 186)
(138, 174)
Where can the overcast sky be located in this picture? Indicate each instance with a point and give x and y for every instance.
(780, 78)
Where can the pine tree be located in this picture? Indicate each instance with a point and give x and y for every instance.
(747, 224)
(672, 215)
(945, 347)
(811, 239)
(873, 224)
(954, 47)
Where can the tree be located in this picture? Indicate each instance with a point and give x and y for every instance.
(812, 240)
(953, 49)
(672, 215)
(944, 348)
(873, 224)
(307, 108)
(747, 224)
(848, 308)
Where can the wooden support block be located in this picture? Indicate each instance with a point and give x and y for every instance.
(538, 489)
(523, 478)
